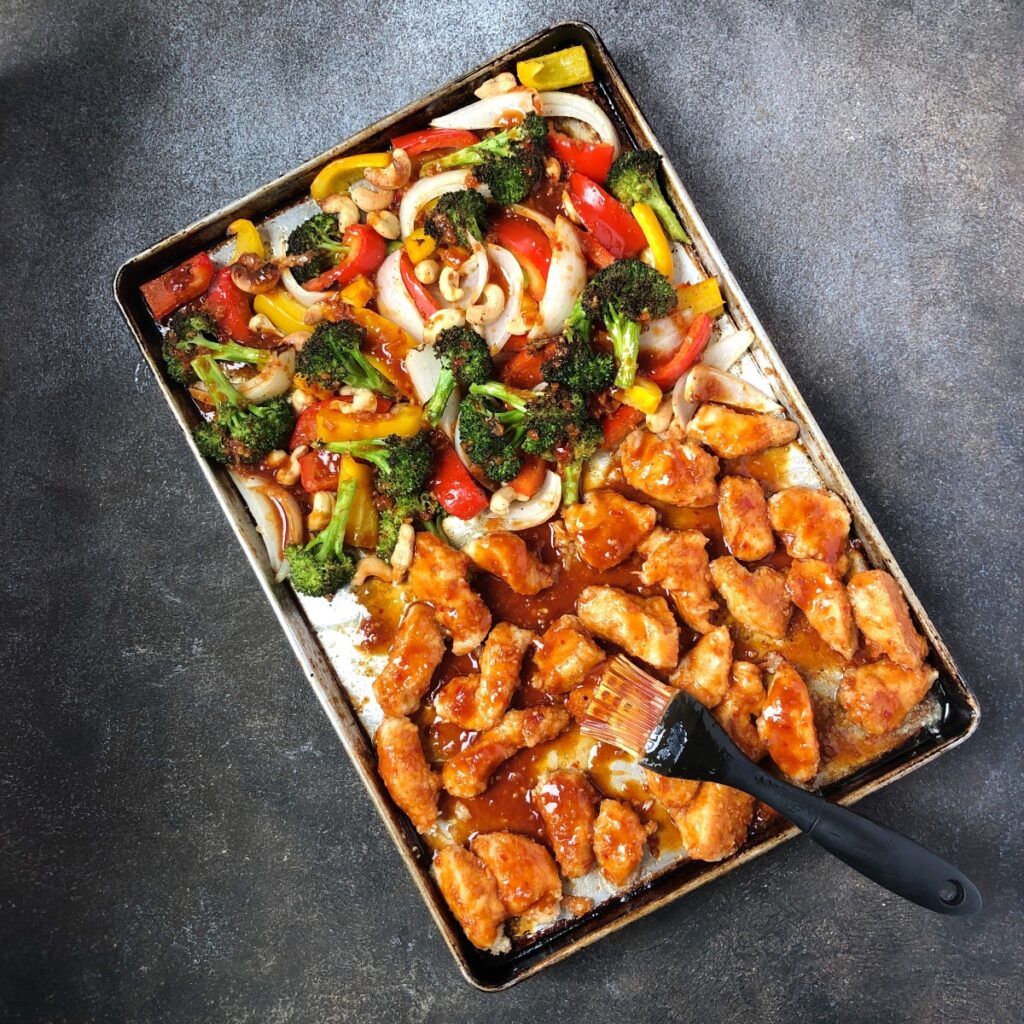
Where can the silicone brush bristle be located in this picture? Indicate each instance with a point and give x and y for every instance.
(625, 707)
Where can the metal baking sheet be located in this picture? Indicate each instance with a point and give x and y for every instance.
(340, 675)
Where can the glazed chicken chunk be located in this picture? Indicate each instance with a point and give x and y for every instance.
(619, 840)
(469, 772)
(714, 824)
(440, 576)
(743, 511)
(668, 469)
(786, 725)
(812, 522)
(565, 654)
(607, 527)
(566, 802)
(528, 882)
(471, 893)
(415, 653)
(816, 589)
(877, 697)
(732, 434)
(704, 671)
(676, 561)
(479, 701)
(739, 709)
(756, 599)
(644, 627)
(673, 794)
(506, 556)
(884, 619)
(404, 769)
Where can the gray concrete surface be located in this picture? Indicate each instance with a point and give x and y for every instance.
(181, 836)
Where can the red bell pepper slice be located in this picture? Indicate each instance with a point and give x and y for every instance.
(605, 217)
(597, 255)
(304, 431)
(429, 139)
(523, 369)
(318, 471)
(594, 159)
(180, 284)
(425, 302)
(531, 248)
(229, 306)
(697, 334)
(456, 491)
(527, 481)
(618, 424)
(366, 252)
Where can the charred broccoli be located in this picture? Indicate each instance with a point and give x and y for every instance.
(585, 444)
(574, 363)
(195, 334)
(332, 358)
(403, 464)
(457, 218)
(634, 179)
(319, 238)
(465, 360)
(323, 566)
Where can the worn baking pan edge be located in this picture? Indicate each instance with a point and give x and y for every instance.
(483, 972)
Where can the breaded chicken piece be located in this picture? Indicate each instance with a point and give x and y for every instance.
(756, 599)
(884, 619)
(668, 469)
(714, 824)
(579, 698)
(786, 725)
(732, 434)
(816, 589)
(607, 527)
(676, 561)
(642, 626)
(739, 709)
(440, 576)
(704, 671)
(672, 794)
(506, 556)
(404, 769)
(566, 802)
(471, 893)
(565, 654)
(743, 512)
(469, 772)
(528, 882)
(812, 522)
(878, 696)
(619, 840)
(415, 653)
(478, 701)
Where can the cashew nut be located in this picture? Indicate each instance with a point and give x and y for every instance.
(501, 500)
(262, 324)
(314, 314)
(301, 400)
(552, 168)
(345, 209)
(448, 284)
(427, 271)
(395, 175)
(659, 421)
(489, 310)
(505, 82)
(369, 566)
(385, 223)
(288, 468)
(368, 198)
(401, 557)
(440, 321)
(253, 274)
(323, 508)
(297, 339)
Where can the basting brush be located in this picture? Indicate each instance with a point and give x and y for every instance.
(674, 735)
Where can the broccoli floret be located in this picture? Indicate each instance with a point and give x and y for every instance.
(389, 522)
(465, 360)
(492, 445)
(574, 363)
(238, 432)
(332, 358)
(586, 443)
(511, 179)
(621, 295)
(323, 566)
(319, 238)
(457, 218)
(403, 464)
(193, 334)
(634, 179)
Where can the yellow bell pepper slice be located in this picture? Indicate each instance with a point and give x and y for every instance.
(284, 312)
(419, 245)
(358, 291)
(333, 424)
(558, 70)
(361, 528)
(339, 174)
(643, 395)
(247, 239)
(703, 297)
(657, 240)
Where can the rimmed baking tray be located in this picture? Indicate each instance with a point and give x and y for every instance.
(959, 711)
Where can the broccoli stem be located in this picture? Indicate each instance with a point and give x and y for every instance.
(330, 541)
(571, 475)
(625, 336)
(492, 389)
(369, 451)
(434, 409)
(221, 390)
(659, 204)
(232, 352)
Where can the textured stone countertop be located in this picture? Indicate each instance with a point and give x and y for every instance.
(181, 835)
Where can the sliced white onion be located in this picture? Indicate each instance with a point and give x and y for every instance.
(490, 112)
(709, 384)
(393, 299)
(424, 369)
(274, 379)
(297, 292)
(568, 104)
(497, 334)
(597, 471)
(684, 267)
(475, 272)
(726, 349)
(682, 410)
(663, 336)
(277, 514)
(520, 515)
(427, 189)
